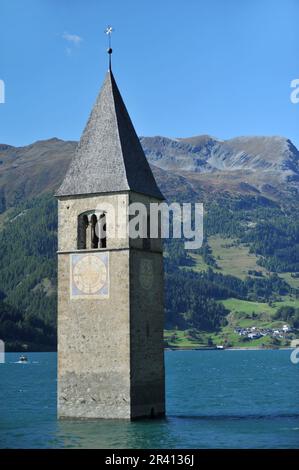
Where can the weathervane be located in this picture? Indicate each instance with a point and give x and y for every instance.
(109, 30)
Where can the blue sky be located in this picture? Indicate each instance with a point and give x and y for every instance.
(184, 67)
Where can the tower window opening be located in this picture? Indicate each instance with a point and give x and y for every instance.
(82, 228)
(94, 231)
(103, 231)
(91, 233)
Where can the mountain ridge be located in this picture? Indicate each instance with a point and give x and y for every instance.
(244, 152)
(250, 250)
(249, 165)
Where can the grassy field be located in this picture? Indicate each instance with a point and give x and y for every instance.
(199, 265)
(243, 314)
(237, 305)
(234, 259)
(226, 337)
(289, 301)
(181, 339)
(293, 282)
(246, 306)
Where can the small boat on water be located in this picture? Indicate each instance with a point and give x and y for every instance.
(23, 359)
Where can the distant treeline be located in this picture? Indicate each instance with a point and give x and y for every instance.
(28, 245)
(191, 297)
(272, 232)
(28, 276)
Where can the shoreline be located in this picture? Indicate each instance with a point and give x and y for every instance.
(253, 348)
(180, 348)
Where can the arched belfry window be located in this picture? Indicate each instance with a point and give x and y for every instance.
(94, 231)
(82, 231)
(102, 230)
(91, 230)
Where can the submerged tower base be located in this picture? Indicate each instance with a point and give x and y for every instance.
(110, 288)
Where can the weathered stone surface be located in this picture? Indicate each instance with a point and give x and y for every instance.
(109, 157)
(110, 305)
(146, 333)
(94, 345)
(71, 208)
(110, 350)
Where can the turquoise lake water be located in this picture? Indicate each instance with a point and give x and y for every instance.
(215, 399)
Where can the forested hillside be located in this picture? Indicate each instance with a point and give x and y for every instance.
(28, 275)
(28, 243)
(245, 275)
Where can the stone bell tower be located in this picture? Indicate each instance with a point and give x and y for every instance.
(110, 289)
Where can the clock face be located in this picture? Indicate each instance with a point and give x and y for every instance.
(89, 275)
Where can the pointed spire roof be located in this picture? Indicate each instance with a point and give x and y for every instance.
(109, 156)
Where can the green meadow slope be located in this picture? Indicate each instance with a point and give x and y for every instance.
(245, 275)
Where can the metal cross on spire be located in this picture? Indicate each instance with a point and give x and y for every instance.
(109, 30)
